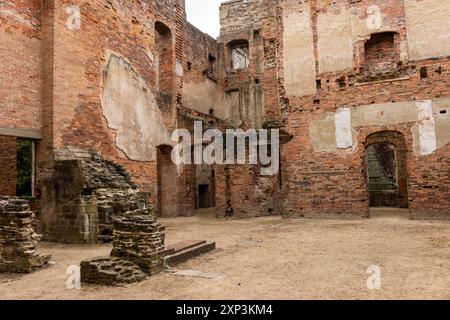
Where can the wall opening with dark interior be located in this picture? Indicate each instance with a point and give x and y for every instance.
(239, 52)
(167, 182)
(165, 58)
(25, 168)
(211, 72)
(205, 181)
(386, 169)
(8, 165)
(203, 196)
(17, 158)
(382, 52)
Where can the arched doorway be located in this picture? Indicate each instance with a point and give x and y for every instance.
(386, 169)
(167, 182)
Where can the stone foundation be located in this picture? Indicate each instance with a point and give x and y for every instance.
(111, 271)
(138, 250)
(18, 239)
(140, 239)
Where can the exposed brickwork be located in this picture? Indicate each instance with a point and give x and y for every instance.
(20, 69)
(8, 160)
(54, 77)
(336, 184)
(401, 157)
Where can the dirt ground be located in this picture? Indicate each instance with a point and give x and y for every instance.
(271, 258)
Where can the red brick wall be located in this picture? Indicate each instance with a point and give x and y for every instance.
(20, 73)
(167, 184)
(242, 192)
(8, 154)
(74, 77)
(333, 184)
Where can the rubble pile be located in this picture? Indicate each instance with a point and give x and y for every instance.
(99, 173)
(18, 239)
(112, 203)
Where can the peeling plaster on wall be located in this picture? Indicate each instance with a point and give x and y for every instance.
(344, 137)
(338, 32)
(299, 66)
(334, 42)
(179, 68)
(204, 96)
(130, 108)
(441, 113)
(323, 140)
(384, 114)
(431, 121)
(427, 128)
(426, 21)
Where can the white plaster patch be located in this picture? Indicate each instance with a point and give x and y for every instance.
(426, 22)
(179, 68)
(151, 57)
(344, 138)
(427, 128)
(130, 107)
(374, 17)
(299, 66)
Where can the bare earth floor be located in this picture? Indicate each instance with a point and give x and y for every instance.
(271, 258)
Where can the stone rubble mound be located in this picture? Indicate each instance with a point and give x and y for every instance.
(18, 239)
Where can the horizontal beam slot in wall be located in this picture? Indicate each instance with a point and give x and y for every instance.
(21, 133)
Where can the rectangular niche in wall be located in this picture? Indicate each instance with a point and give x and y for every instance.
(165, 59)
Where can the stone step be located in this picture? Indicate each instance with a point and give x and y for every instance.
(179, 257)
(183, 245)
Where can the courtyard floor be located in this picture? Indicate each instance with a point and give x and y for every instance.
(271, 258)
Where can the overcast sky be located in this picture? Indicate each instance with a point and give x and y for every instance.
(204, 14)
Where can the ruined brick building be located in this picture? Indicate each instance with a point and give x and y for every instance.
(92, 90)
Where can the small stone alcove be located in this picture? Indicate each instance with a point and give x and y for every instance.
(380, 57)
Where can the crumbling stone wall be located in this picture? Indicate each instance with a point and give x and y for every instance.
(18, 239)
(242, 192)
(82, 197)
(242, 22)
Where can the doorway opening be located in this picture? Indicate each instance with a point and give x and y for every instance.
(167, 182)
(203, 196)
(386, 169)
(205, 182)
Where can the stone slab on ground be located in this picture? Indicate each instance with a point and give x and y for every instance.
(189, 253)
(200, 274)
